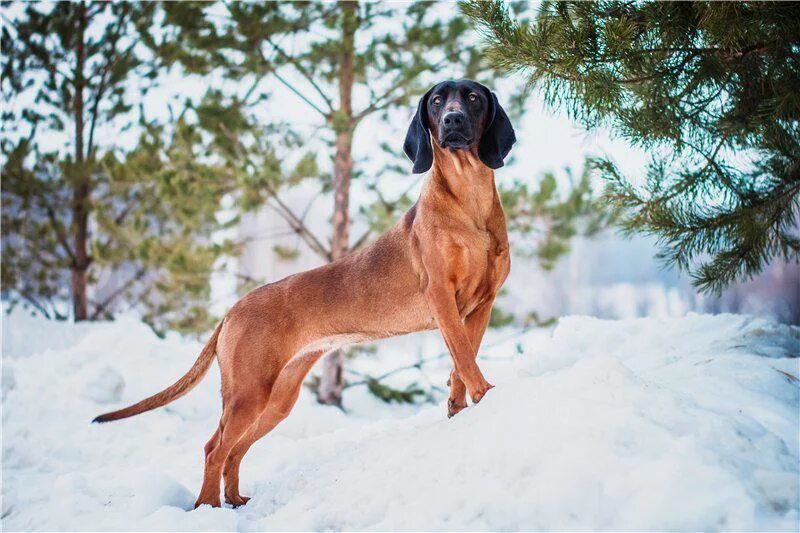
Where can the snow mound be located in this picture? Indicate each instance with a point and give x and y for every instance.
(665, 424)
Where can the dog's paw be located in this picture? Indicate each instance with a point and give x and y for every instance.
(236, 500)
(210, 501)
(478, 395)
(454, 407)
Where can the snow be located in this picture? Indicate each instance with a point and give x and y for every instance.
(657, 424)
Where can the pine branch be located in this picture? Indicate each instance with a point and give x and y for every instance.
(676, 76)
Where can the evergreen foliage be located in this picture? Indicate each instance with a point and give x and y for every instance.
(388, 394)
(712, 89)
(542, 219)
(107, 229)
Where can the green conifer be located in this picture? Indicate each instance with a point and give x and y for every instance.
(712, 89)
(88, 222)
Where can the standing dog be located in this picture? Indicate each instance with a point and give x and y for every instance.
(440, 266)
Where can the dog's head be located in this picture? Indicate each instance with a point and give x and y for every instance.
(459, 115)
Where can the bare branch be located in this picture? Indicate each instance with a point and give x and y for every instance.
(103, 84)
(423, 361)
(59, 231)
(296, 223)
(102, 306)
(271, 68)
(301, 95)
(361, 241)
(28, 297)
(303, 72)
(401, 80)
(120, 218)
(299, 226)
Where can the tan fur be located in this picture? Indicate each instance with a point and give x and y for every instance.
(440, 266)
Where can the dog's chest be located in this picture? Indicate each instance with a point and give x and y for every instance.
(481, 268)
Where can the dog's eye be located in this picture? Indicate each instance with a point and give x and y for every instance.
(437, 100)
(473, 97)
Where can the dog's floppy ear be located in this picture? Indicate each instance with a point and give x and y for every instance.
(498, 135)
(418, 139)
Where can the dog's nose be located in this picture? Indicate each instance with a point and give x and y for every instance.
(453, 120)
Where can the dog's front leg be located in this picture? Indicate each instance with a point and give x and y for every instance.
(476, 324)
(442, 302)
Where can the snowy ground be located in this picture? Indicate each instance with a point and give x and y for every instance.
(663, 424)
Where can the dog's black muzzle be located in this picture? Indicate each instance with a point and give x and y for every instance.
(456, 132)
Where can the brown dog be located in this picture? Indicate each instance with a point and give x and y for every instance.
(440, 266)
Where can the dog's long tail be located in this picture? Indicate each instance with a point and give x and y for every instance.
(176, 390)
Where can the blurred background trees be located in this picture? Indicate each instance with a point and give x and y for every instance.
(77, 80)
(712, 88)
(88, 223)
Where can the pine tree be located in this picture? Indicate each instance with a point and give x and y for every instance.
(711, 88)
(155, 218)
(89, 222)
(323, 54)
(80, 78)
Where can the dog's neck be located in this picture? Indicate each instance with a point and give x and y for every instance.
(463, 177)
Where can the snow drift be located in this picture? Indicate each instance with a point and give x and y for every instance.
(665, 424)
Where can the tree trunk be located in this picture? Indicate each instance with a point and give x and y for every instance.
(329, 389)
(80, 186)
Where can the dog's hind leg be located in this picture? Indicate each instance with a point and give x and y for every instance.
(239, 413)
(285, 392)
(212, 443)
